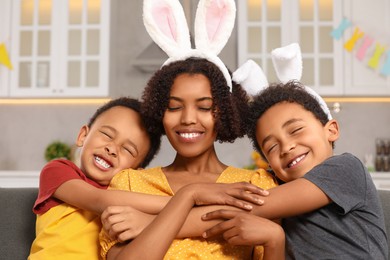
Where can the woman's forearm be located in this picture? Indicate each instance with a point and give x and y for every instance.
(194, 226)
(155, 240)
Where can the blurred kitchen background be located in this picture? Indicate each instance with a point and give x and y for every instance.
(60, 60)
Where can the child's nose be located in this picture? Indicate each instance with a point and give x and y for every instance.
(287, 147)
(111, 150)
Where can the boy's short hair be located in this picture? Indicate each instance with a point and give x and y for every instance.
(135, 105)
(293, 92)
(227, 107)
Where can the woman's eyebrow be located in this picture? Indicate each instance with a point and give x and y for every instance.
(175, 98)
(204, 99)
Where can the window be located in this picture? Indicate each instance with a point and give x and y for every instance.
(269, 24)
(60, 48)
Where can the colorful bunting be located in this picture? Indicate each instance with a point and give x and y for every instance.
(365, 48)
(350, 44)
(386, 68)
(374, 61)
(4, 59)
(337, 33)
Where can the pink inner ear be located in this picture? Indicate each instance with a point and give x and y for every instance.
(164, 19)
(215, 16)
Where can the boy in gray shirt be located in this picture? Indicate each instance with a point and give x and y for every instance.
(329, 203)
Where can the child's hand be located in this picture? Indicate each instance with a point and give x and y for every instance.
(124, 222)
(240, 195)
(242, 228)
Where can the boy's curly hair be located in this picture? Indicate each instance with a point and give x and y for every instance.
(133, 104)
(293, 92)
(227, 106)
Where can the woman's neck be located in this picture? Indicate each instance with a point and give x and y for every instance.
(186, 170)
(207, 162)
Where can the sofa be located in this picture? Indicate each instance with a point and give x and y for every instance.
(17, 221)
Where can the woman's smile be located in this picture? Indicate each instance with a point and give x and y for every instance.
(190, 136)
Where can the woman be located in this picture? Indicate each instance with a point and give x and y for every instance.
(190, 102)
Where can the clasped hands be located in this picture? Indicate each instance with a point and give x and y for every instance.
(125, 223)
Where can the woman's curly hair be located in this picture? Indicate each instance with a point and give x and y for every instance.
(227, 106)
(292, 92)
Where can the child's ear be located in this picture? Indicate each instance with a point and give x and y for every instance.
(332, 128)
(82, 135)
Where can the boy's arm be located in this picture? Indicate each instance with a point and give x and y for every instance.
(85, 196)
(290, 199)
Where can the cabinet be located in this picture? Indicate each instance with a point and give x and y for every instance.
(327, 67)
(360, 78)
(58, 48)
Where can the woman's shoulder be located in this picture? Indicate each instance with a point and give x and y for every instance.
(124, 178)
(249, 172)
(130, 171)
(234, 170)
(258, 177)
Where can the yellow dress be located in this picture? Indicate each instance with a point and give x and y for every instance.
(153, 181)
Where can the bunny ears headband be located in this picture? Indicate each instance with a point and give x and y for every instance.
(166, 24)
(214, 21)
(287, 62)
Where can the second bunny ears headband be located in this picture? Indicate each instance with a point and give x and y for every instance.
(287, 62)
(214, 21)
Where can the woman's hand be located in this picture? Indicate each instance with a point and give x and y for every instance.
(241, 194)
(124, 222)
(243, 228)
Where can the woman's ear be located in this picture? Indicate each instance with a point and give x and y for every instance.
(82, 135)
(332, 128)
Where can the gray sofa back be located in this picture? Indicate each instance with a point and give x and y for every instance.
(17, 221)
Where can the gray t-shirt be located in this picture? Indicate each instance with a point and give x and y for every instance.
(352, 227)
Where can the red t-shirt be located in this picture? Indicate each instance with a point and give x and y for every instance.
(53, 175)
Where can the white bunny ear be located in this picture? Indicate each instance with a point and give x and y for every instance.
(166, 24)
(251, 77)
(288, 66)
(288, 62)
(214, 23)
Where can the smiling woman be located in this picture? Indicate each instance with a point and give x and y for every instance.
(193, 100)
(190, 102)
